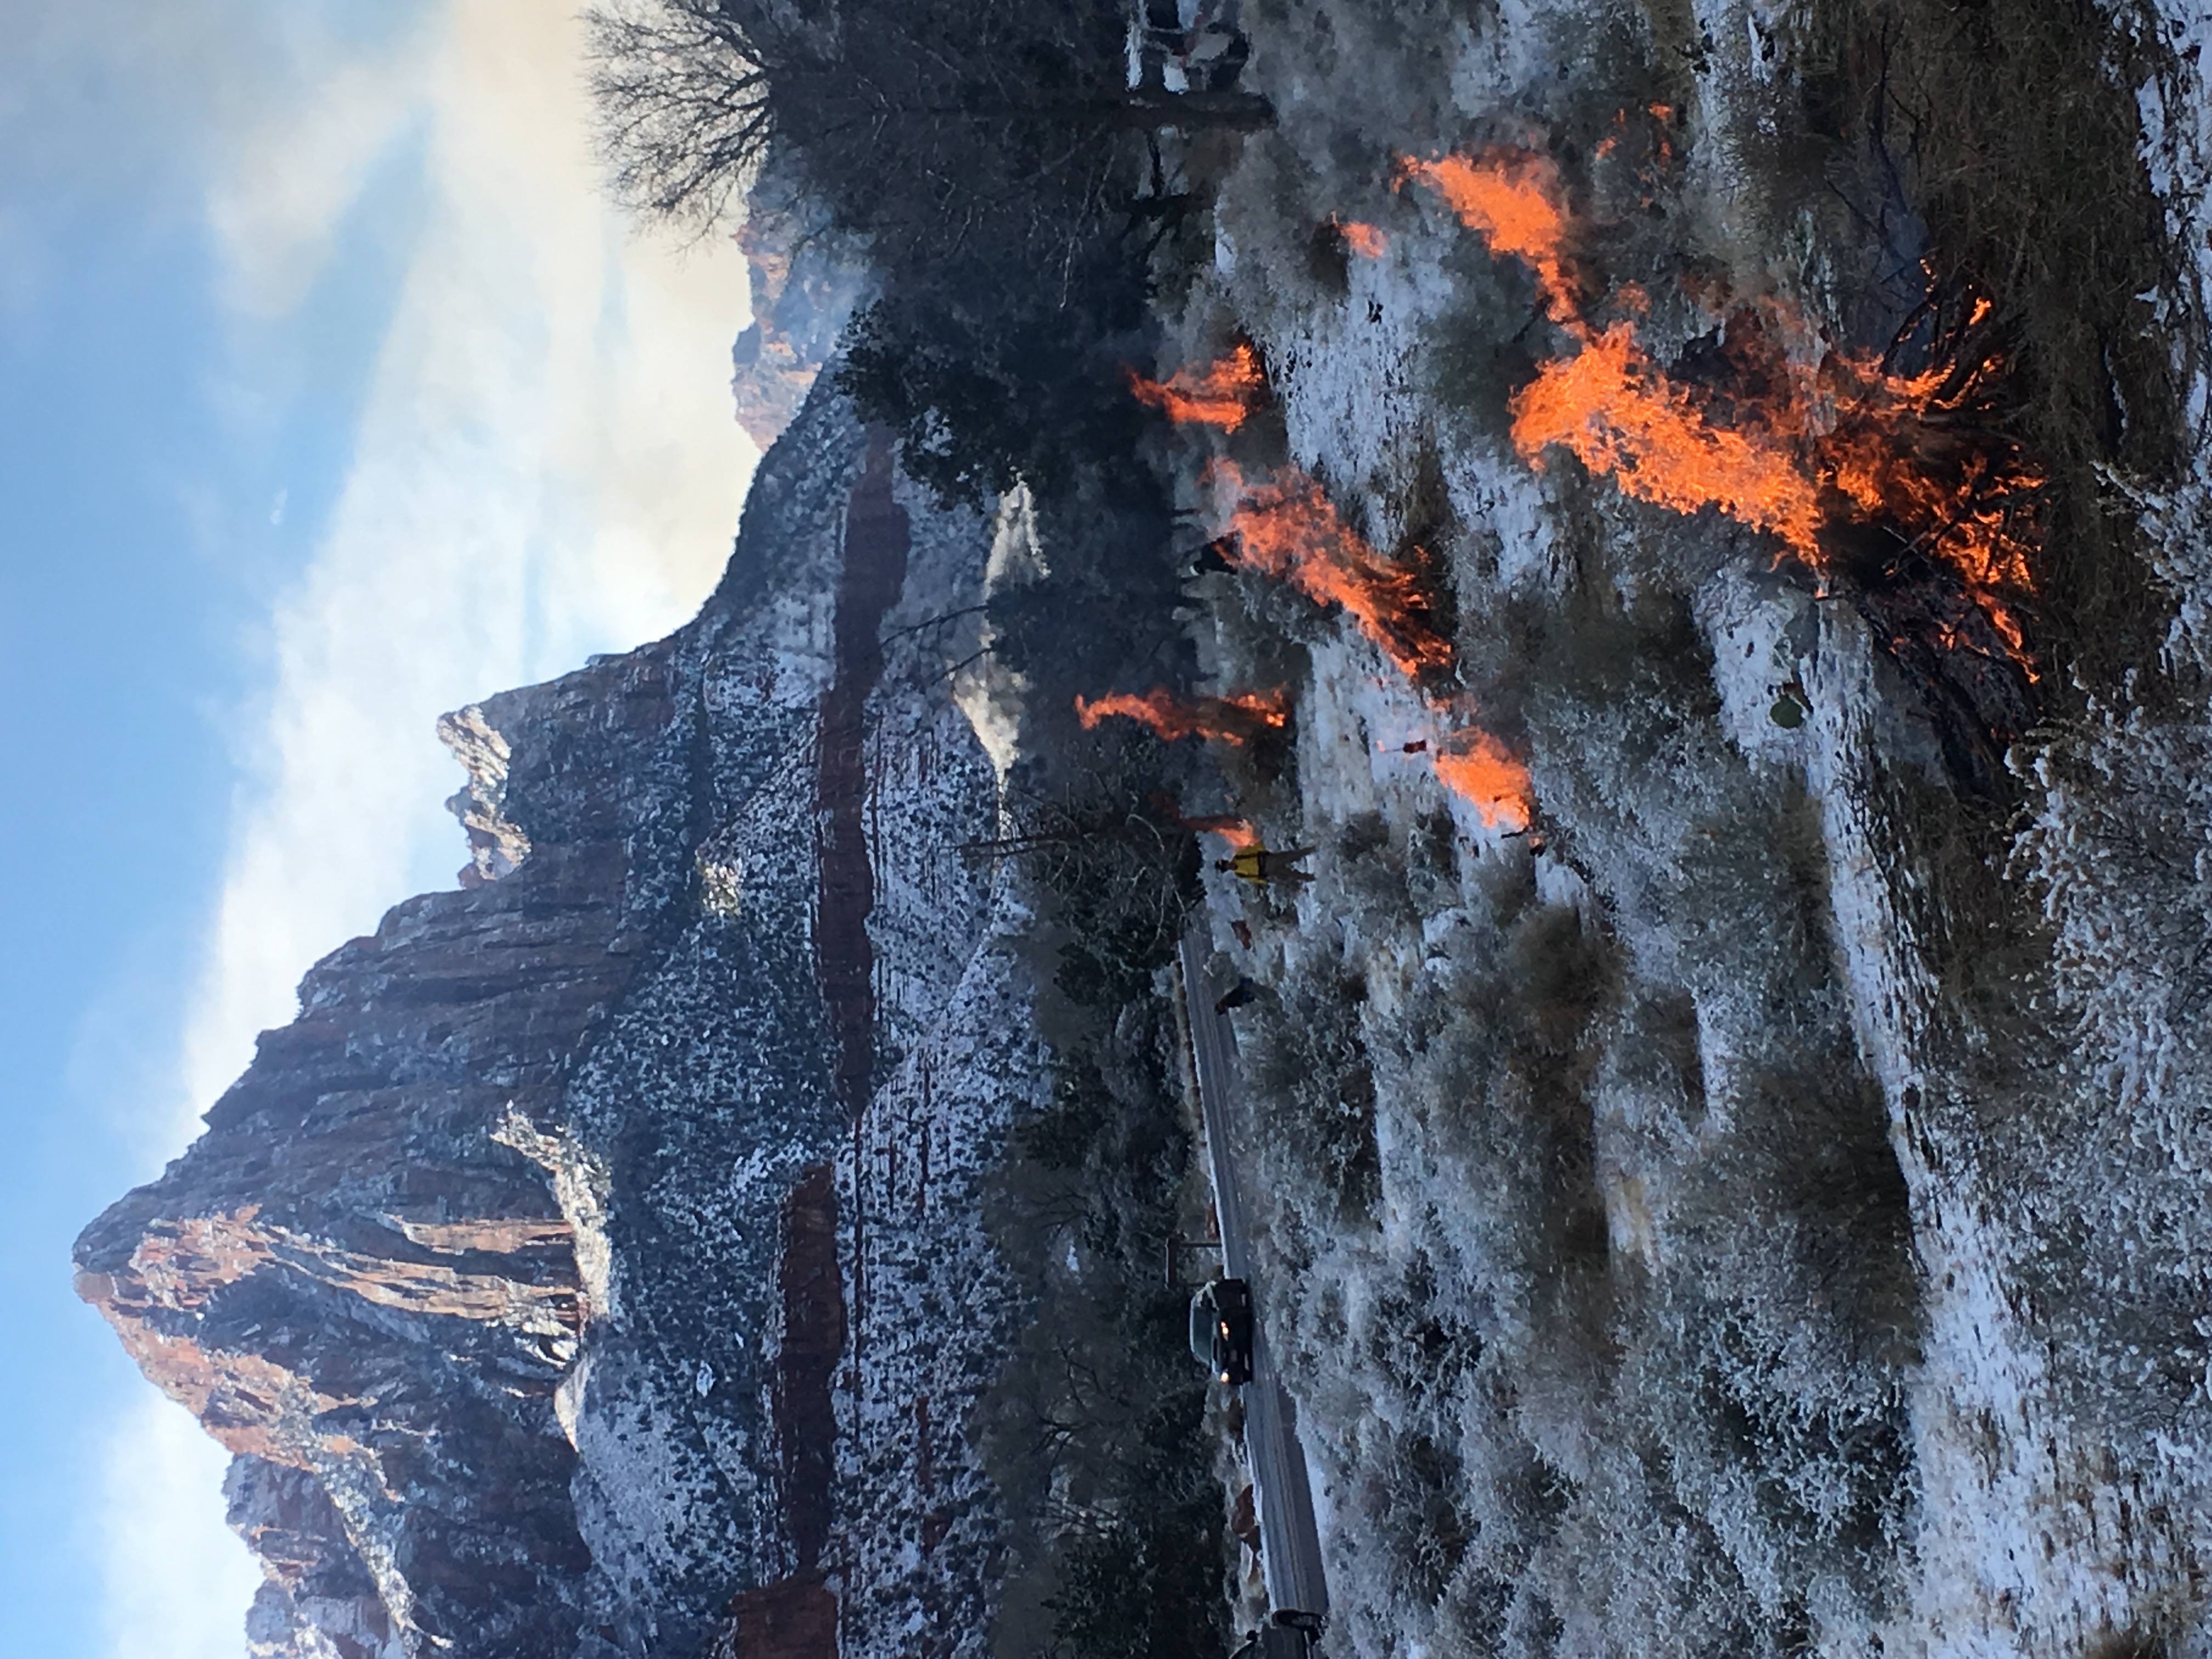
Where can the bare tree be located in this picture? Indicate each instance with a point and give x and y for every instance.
(919, 122)
(682, 93)
(987, 158)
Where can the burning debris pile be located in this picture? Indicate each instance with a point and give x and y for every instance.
(1899, 489)
(1281, 524)
(1896, 489)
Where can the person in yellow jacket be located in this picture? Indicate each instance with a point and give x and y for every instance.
(1256, 864)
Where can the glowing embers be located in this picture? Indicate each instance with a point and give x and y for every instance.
(1282, 525)
(1918, 453)
(1235, 720)
(1219, 395)
(1779, 431)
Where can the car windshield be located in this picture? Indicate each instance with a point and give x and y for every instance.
(1202, 1322)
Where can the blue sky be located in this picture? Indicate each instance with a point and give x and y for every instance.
(332, 395)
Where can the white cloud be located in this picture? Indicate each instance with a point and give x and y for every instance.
(103, 102)
(295, 169)
(189, 1579)
(547, 466)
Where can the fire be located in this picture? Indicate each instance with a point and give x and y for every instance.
(1482, 771)
(1282, 525)
(1218, 395)
(1611, 407)
(1831, 438)
(1237, 832)
(1364, 239)
(1512, 198)
(1232, 719)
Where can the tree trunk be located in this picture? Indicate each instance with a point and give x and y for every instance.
(1139, 110)
(1154, 106)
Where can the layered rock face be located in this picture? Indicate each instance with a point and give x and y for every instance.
(595, 1266)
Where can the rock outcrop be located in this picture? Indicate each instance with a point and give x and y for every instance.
(802, 294)
(603, 1239)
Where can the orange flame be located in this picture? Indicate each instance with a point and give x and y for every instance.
(1218, 395)
(1364, 239)
(1284, 526)
(1232, 719)
(1618, 414)
(1481, 771)
(1833, 437)
(1237, 832)
(1512, 198)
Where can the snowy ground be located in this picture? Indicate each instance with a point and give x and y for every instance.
(1764, 1217)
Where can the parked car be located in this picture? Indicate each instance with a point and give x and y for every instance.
(1285, 1635)
(1221, 1330)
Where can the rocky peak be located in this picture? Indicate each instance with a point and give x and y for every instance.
(551, 1276)
(497, 845)
(358, 1277)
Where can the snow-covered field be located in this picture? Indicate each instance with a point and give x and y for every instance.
(1757, 1210)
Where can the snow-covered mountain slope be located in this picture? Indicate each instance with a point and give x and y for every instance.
(596, 1265)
